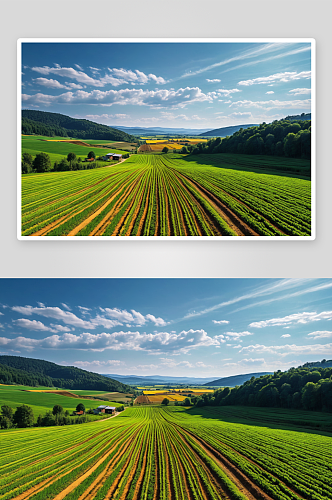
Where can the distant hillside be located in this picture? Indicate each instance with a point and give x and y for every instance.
(225, 131)
(148, 131)
(280, 138)
(318, 364)
(296, 118)
(55, 124)
(234, 380)
(302, 388)
(33, 372)
(138, 380)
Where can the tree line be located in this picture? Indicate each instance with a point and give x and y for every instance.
(279, 138)
(56, 124)
(42, 163)
(23, 416)
(34, 372)
(298, 388)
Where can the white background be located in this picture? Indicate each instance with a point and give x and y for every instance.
(177, 19)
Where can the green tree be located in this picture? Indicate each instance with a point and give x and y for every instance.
(23, 416)
(7, 411)
(63, 165)
(80, 407)
(187, 402)
(165, 401)
(91, 154)
(27, 161)
(57, 409)
(71, 157)
(165, 149)
(42, 162)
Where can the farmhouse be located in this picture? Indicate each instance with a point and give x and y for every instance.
(105, 409)
(112, 156)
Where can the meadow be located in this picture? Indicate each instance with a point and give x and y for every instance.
(173, 453)
(58, 147)
(172, 195)
(41, 401)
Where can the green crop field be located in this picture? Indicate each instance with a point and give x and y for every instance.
(51, 146)
(171, 195)
(175, 453)
(41, 402)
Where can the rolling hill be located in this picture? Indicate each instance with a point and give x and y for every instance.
(55, 124)
(28, 371)
(225, 131)
(234, 380)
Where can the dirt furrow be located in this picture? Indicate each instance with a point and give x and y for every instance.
(233, 221)
(100, 228)
(247, 207)
(243, 483)
(141, 222)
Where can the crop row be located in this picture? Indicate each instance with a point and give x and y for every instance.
(155, 453)
(164, 195)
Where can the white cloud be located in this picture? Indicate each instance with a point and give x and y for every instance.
(269, 92)
(300, 91)
(65, 306)
(284, 350)
(54, 84)
(297, 318)
(286, 335)
(161, 98)
(234, 335)
(320, 335)
(115, 76)
(132, 317)
(55, 313)
(159, 343)
(247, 114)
(214, 80)
(220, 322)
(79, 67)
(287, 76)
(228, 93)
(34, 325)
(268, 105)
(94, 364)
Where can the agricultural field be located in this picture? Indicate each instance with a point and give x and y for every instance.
(155, 453)
(172, 195)
(58, 147)
(156, 396)
(43, 399)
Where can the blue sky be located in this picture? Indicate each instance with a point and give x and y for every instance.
(191, 85)
(184, 327)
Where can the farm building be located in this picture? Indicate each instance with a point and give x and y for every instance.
(105, 409)
(112, 156)
(78, 412)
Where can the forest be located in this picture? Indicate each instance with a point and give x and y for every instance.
(57, 125)
(279, 138)
(34, 372)
(297, 388)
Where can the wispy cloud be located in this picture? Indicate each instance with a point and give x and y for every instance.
(284, 350)
(272, 288)
(161, 342)
(297, 318)
(250, 53)
(300, 91)
(320, 335)
(286, 76)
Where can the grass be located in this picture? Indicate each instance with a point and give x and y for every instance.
(171, 195)
(42, 402)
(174, 452)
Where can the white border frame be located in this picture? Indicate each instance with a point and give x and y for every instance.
(312, 41)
